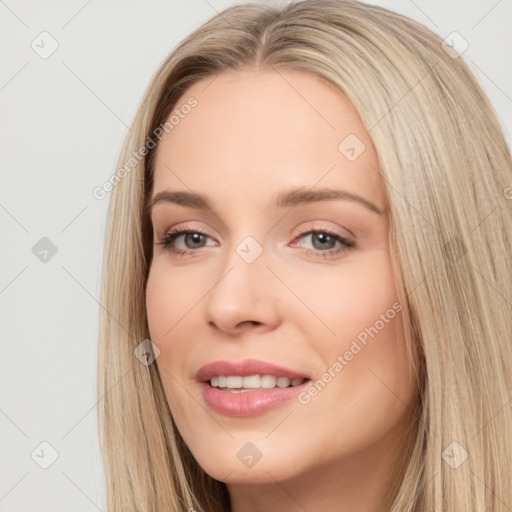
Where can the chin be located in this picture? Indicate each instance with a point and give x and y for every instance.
(245, 462)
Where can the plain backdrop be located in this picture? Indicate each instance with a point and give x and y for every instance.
(63, 119)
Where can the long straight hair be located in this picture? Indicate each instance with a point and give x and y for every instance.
(447, 172)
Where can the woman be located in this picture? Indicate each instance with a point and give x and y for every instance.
(251, 372)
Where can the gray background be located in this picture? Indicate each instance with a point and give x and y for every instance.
(63, 120)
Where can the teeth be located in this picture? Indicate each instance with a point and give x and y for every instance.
(233, 382)
(268, 381)
(253, 382)
(283, 382)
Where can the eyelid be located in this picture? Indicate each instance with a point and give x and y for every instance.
(183, 226)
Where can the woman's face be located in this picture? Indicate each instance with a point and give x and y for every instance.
(252, 282)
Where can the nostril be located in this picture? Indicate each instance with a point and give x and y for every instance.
(249, 322)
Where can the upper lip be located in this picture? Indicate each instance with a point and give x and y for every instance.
(244, 368)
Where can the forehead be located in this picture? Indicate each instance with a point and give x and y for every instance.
(254, 132)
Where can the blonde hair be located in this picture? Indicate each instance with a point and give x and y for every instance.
(446, 169)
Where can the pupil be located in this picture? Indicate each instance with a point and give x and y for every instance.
(196, 237)
(323, 237)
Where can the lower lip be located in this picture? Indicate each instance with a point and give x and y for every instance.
(248, 403)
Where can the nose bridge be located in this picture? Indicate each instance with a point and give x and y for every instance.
(247, 241)
(243, 292)
(244, 271)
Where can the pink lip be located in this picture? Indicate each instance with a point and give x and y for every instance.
(249, 403)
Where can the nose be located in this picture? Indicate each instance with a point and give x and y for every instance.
(245, 296)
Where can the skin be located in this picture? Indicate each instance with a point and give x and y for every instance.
(253, 134)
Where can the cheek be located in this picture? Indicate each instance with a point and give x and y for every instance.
(348, 300)
(167, 301)
(364, 356)
(169, 295)
(370, 329)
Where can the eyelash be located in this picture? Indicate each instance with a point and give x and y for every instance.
(174, 233)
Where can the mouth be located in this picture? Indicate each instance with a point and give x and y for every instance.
(249, 387)
(240, 401)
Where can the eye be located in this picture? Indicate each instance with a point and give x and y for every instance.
(194, 236)
(323, 240)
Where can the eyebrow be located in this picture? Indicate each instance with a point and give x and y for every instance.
(285, 199)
